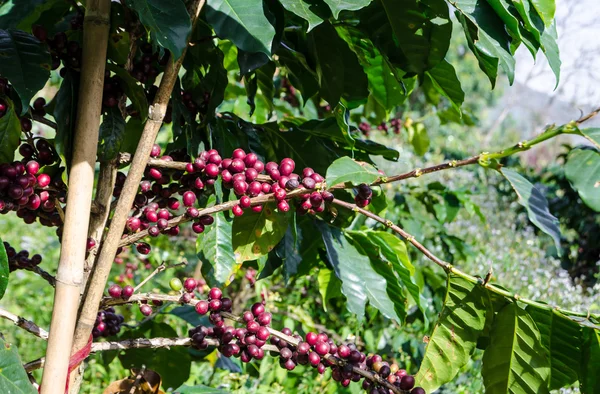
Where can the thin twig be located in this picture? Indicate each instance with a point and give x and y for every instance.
(25, 324)
(162, 267)
(45, 275)
(45, 121)
(449, 268)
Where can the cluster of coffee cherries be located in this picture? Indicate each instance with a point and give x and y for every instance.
(148, 63)
(21, 259)
(112, 91)
(108, 323)
(61, 48)
(27, 191)
(165, 193)
(395, 125)
(289, 93)
(187, 287)
(130, 267)
(318, 350)
(115, 291)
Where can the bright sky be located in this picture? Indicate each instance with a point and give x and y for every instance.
(579, 43)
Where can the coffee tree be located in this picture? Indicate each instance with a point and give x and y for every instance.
(243, 126)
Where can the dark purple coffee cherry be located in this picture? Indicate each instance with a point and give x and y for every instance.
(407, 382)
(418, 390)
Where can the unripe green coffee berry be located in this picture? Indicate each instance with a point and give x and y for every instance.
(175, 284)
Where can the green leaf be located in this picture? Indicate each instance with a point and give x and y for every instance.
(515, 361)
(394, 250)
(487, 38)
(384, 84)
(454, 335)
(10, 132)
(243, 22)
(583, 172)
(345, 170)
(589, 380)
(25, 62)
(389, 298)
(65, 111)
(112, 131)
(593, 135)
(561, 339)
(338, 69)
(3, 269)
(536, 204)
(173, 364)
(215, 251)
(133, 90)
(348, 266)
(132, 135)
(545, 9)
(329, 286)
(551, 50)
(444, 80)
(288, 250)
(255, 234)
(199, 389)
(419, 139)
(13, 378)
(312, 12)
(338, 6)
(168, 22)
(302, 76)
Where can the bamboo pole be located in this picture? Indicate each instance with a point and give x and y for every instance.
(101, 270)
(69, 277)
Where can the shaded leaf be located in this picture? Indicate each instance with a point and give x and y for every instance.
(168, 21)
(65, 112)
(338, 6)
(133, 89)
(243, 22)
(13, 378)
(25, 62)
(112, 131)
(444, 80)
(215, 250)
(589, 380)
(454, 335)
(536, 204)
(583, 172)
(3, 269)
(561, 339)
(255, 234)
(515, 361)
(10, 132)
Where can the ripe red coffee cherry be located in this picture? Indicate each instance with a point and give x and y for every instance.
(303, 348)
(155, 152)
(309, 183)
(192, 212)
(257, 208)
(215, 305)
(133, 224)
(189, 198)
(265, 187)
(190, 284)
(318, 178)
(127, 292)
(245, 202)
(215, 293)
(322, 348)
(311, 338)
(238, 154)
(143, 248)
(212, 170)
(252, 326)
(198, 228)
(240, 187)
(280, 194)
(226, 176)
(115, 291)
(236, 166)
(327, 196)
(154, 231)
(254, 188)
(264, 319)
(202, 307)
(237, 210)
(215, 158)
(206, 220)
(151, 216)
(407, 382)
(32, 167)
(247, 316)
(314, 359)
(343, 351)
(283, 206)
(146, 309)
(258, 309)
(316, 199)
(263, 333)
(155, 173)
